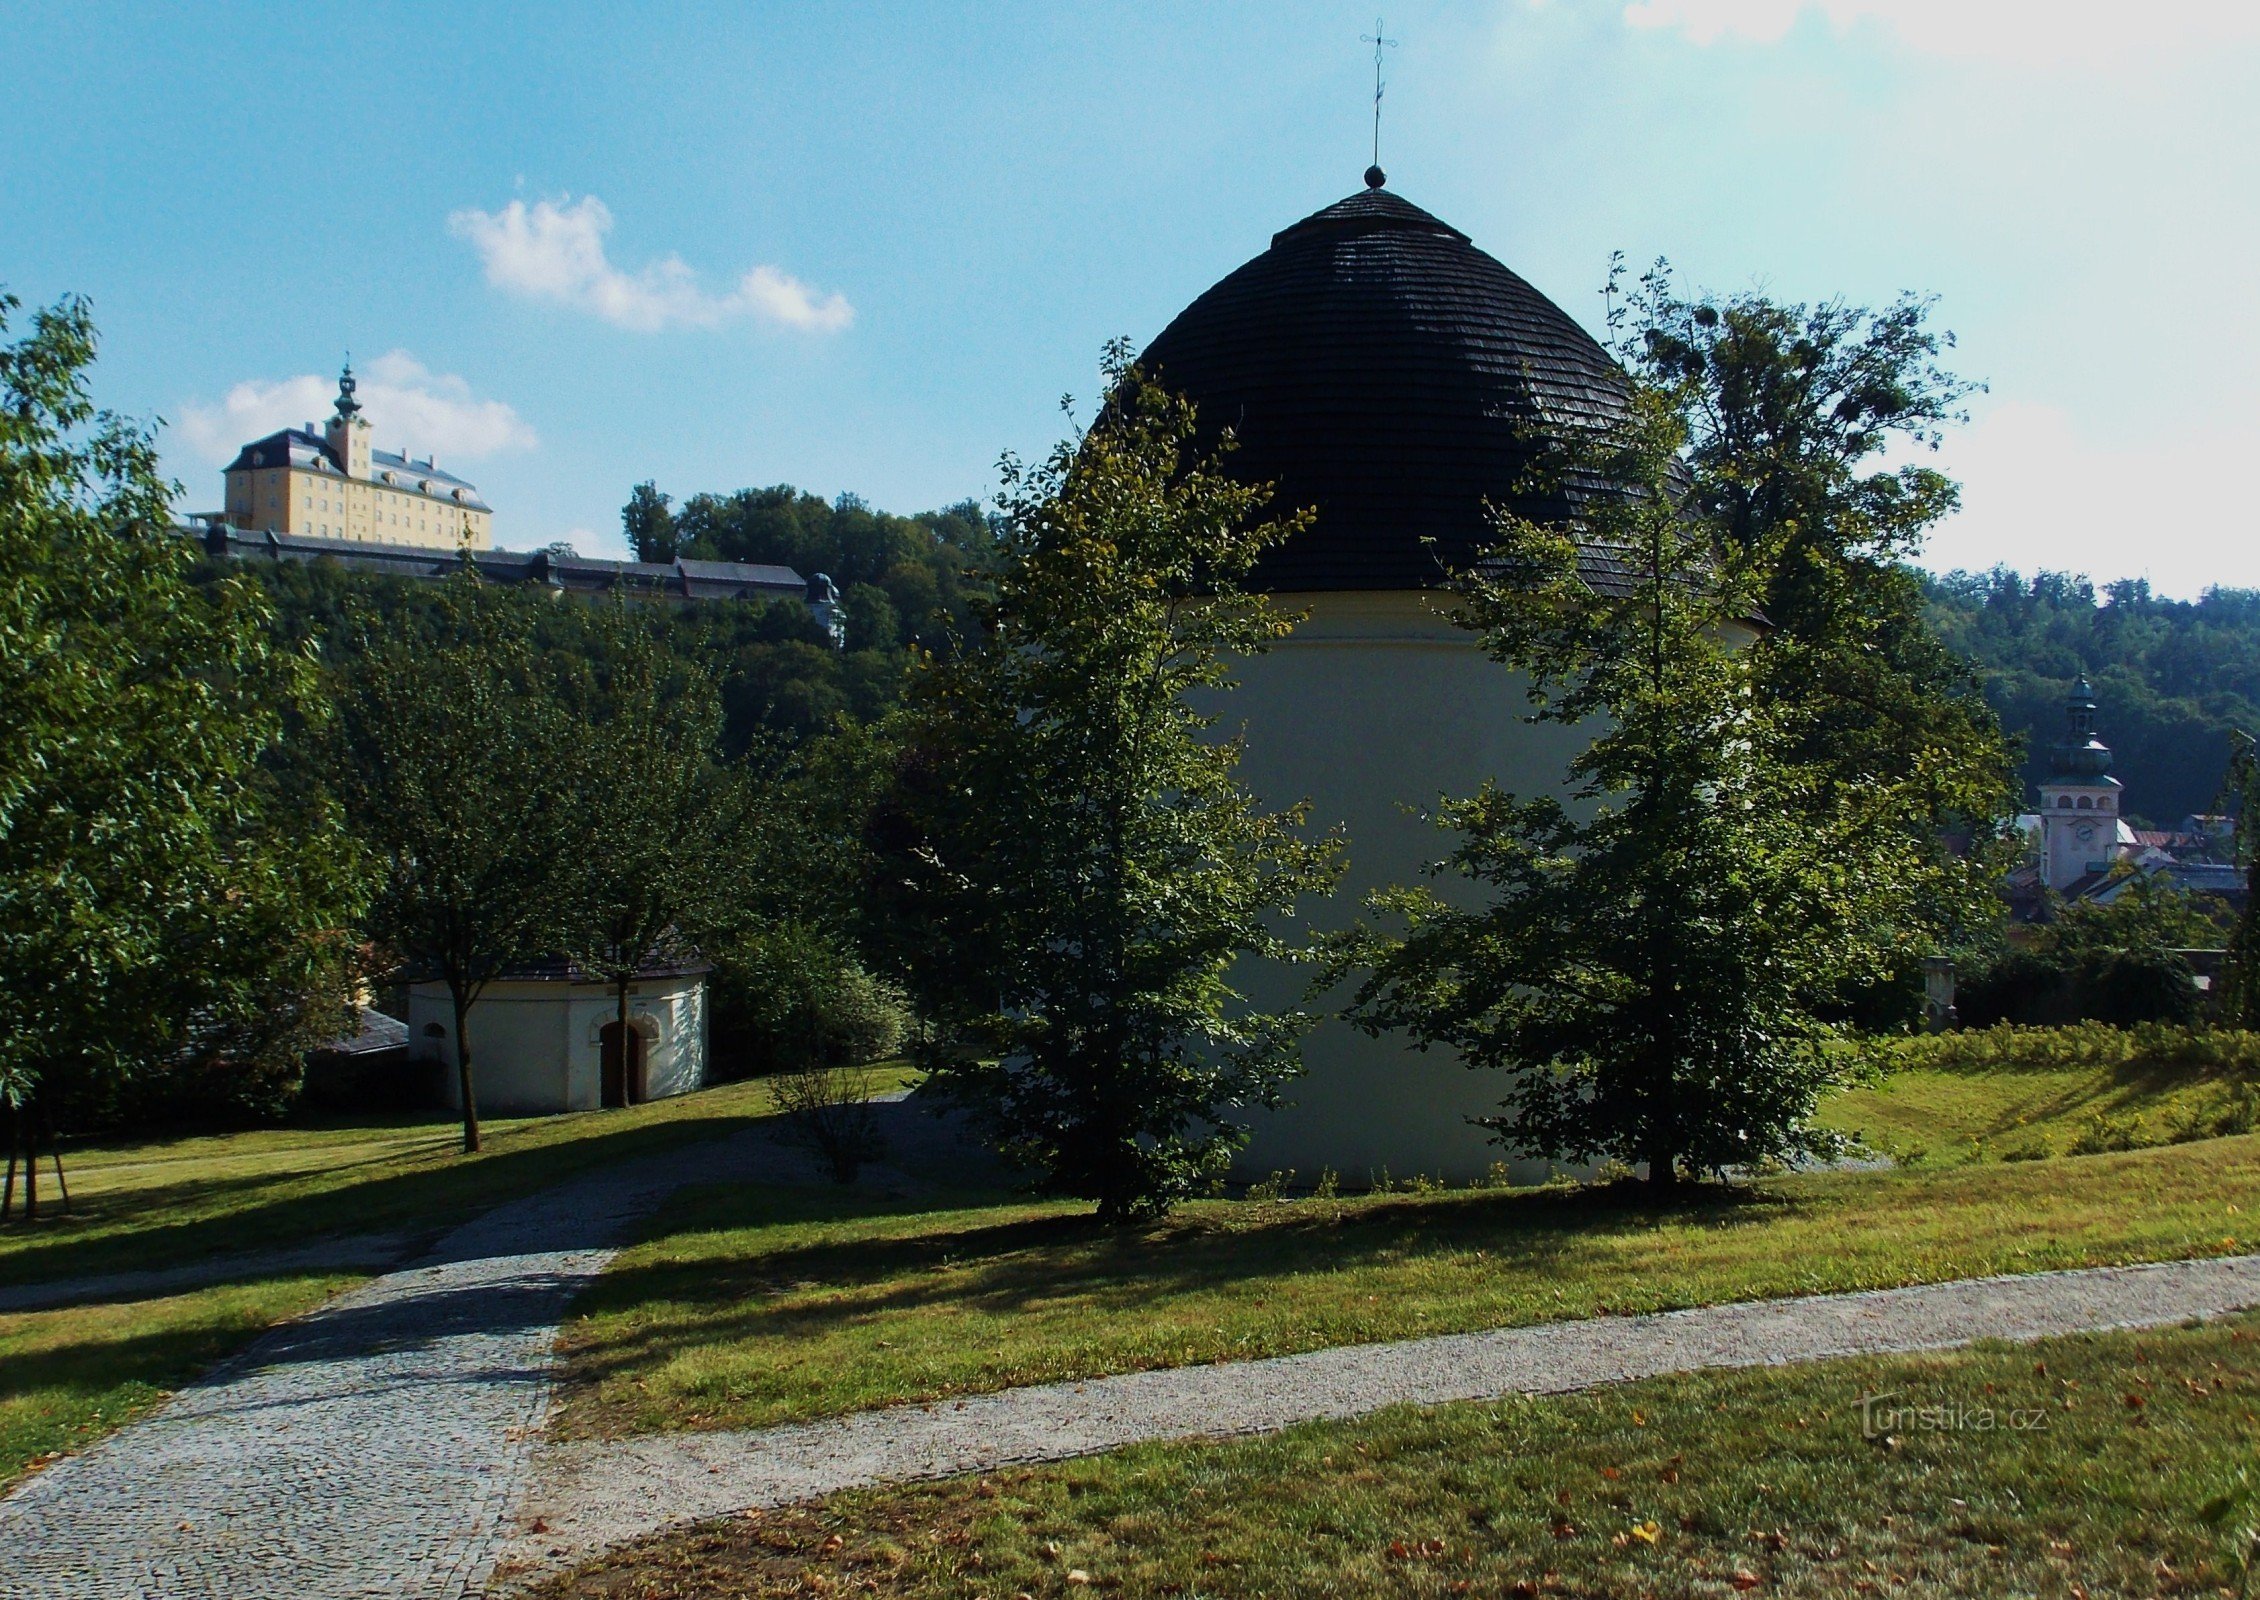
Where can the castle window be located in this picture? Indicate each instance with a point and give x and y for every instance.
(2063, 802)
(2085, 802)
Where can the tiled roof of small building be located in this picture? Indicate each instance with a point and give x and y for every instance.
(1379, 368)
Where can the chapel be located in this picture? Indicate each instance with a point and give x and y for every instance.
(1387, 374)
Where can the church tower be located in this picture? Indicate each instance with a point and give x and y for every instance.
(348, 431)
(2079, 801)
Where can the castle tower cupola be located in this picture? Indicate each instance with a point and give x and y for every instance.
(348, 431)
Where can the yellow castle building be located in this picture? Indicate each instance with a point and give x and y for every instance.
(335, 486)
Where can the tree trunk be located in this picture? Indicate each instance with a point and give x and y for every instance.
(8, 1193)
(31, 1168)
(463, 1069)
(55, 1149)
(620, 1039)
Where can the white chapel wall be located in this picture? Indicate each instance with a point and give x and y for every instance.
(538, 1047)
(1373, 708)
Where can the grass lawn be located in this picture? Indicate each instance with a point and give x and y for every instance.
(70, 1375)
(748, 1306)
(2003, 1109)
(166, 1202)
(2079, 1467)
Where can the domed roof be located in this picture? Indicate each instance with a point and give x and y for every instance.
(1375, 365)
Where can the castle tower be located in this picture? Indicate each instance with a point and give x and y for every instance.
(348, 431)
(2079, 801)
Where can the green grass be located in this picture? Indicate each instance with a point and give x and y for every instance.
(2095, 1478)
(747, 1306)
(2026, 1094)
(166, 1202)
(69, 1376)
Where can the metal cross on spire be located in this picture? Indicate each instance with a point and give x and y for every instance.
(1380, 42)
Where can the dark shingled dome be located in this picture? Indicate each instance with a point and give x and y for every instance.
(1375, 365)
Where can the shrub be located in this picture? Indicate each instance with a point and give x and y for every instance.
(2150, 1046)
(2133, 986)
(790, 998)
(829, 1112)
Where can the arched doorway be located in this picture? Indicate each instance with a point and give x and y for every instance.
(623, 1069)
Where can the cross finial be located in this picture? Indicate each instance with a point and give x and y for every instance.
(1380, 41)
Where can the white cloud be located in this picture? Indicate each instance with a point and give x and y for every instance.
(2039, 491)
(2007, 30)
(406, 403)
(555, 251)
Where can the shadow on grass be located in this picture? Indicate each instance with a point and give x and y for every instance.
(920, 1258)
(2130, 1086)
(230, 1216)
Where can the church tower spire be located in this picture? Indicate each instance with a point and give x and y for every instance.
(2079, 801)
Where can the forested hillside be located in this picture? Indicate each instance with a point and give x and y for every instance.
(901, 580)
(2173, 676)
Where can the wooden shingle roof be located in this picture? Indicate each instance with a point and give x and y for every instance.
(1380, 369)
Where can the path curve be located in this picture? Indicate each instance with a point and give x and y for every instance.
(378, 1446)
(591, 1496)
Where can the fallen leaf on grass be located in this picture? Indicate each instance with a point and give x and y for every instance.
(1744, 1578)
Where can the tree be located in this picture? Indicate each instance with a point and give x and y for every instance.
(156, 894)
(1068, 861)
(649, 523)
(2117, 961)
(454, 753)
(660, 824)
(1790, 412)
(2239, 1000)
(1648, 954)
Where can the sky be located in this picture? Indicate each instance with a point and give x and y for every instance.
(867, 248)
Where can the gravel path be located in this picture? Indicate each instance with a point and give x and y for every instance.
(376, 1447)
(590, 1496)
(358, 1252)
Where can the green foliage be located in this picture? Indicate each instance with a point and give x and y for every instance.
(791, 995)
(167, 913)
(2174, 676)
(649, 524)
(2007, 1047)
(1791, 412)
(1069, 865)
(660, 827)
(1646, 959)
(456, 757)
(2113, 961)
(2239, 1000)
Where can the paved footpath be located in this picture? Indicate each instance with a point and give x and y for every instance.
(376, 1447)
(591, 1496)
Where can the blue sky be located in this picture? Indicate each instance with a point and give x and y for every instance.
(866, 248)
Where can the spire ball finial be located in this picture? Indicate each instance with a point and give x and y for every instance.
(1375, 177)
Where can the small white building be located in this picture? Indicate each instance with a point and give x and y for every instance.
(545, 1037)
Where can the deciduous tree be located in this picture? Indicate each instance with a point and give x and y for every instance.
(157, 898)
(1068, 859)
(661, 825)
(454, 758)
(1643, 957)
(1793, 415)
